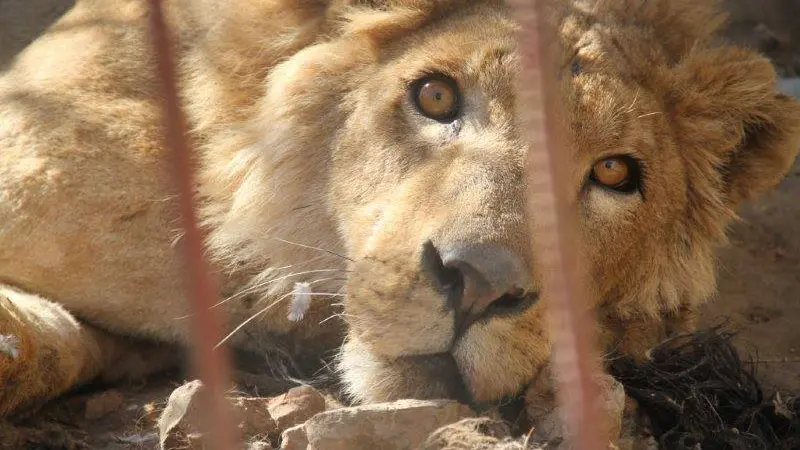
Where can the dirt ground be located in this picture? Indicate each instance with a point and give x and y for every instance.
(759, 273)
(760, 284)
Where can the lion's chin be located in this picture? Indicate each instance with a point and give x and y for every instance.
(371, 379)
(368, 378)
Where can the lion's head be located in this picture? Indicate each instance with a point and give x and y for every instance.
(400, 124)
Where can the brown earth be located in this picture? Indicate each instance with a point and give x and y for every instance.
(769, 26)
(759, 273)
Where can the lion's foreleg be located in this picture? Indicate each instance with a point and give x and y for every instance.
(45, 350)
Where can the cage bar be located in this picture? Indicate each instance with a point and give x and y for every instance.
(211, 364)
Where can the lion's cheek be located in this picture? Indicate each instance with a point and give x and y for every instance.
(394, 314)
(391, 336)
(501, 356)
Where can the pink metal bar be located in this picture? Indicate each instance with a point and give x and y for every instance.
(211, 365)
(555, 233)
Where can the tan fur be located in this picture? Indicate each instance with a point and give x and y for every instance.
(301, 114)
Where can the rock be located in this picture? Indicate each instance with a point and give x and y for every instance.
(180, 424)
(102, 404)
(550, 427)
(180, 417)
(296, 406)
(404, 424)
(294, 438)
(332, 402)
(541, 406)
(613, 398)
(254, 416)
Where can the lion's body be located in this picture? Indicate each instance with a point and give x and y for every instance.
(89, 232)
(56, 140)
(84, 123)
(87, 208)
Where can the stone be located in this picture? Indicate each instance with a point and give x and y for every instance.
(403, 424)
(180, 424)
(549, 425)
(613, 399)
(99, 405)
(254, 417)
(296, 406)
(180, 417)
(294, 438)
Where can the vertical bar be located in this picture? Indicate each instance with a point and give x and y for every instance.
(207, 323)
(555, 233)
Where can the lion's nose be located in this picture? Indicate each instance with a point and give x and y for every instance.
(474, 276)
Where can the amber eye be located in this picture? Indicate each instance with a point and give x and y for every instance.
(620, 173)
(436, 97)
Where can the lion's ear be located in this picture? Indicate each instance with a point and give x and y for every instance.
(726, 103)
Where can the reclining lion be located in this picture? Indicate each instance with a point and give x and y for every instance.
(371, 150)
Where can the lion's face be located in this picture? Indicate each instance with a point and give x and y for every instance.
(425, 181)
(429, 193)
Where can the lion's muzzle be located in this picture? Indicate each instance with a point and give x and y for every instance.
(477, 280)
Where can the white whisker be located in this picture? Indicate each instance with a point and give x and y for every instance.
(255, 287)
(311, 247)
(649, 114)
(334, 316)
(260, 285)
(251, 318)
(633, 103)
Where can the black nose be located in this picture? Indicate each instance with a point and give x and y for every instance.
(475, 276)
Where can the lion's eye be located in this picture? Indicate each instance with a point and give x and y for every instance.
(436, 97)
(620, 173)
(575, 67)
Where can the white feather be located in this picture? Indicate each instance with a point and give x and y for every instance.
(301, 300)
(9, 345)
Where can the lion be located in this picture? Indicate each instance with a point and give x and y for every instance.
(370, 150)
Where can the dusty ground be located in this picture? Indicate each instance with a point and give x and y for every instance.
(759, 280)
(760, 284)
